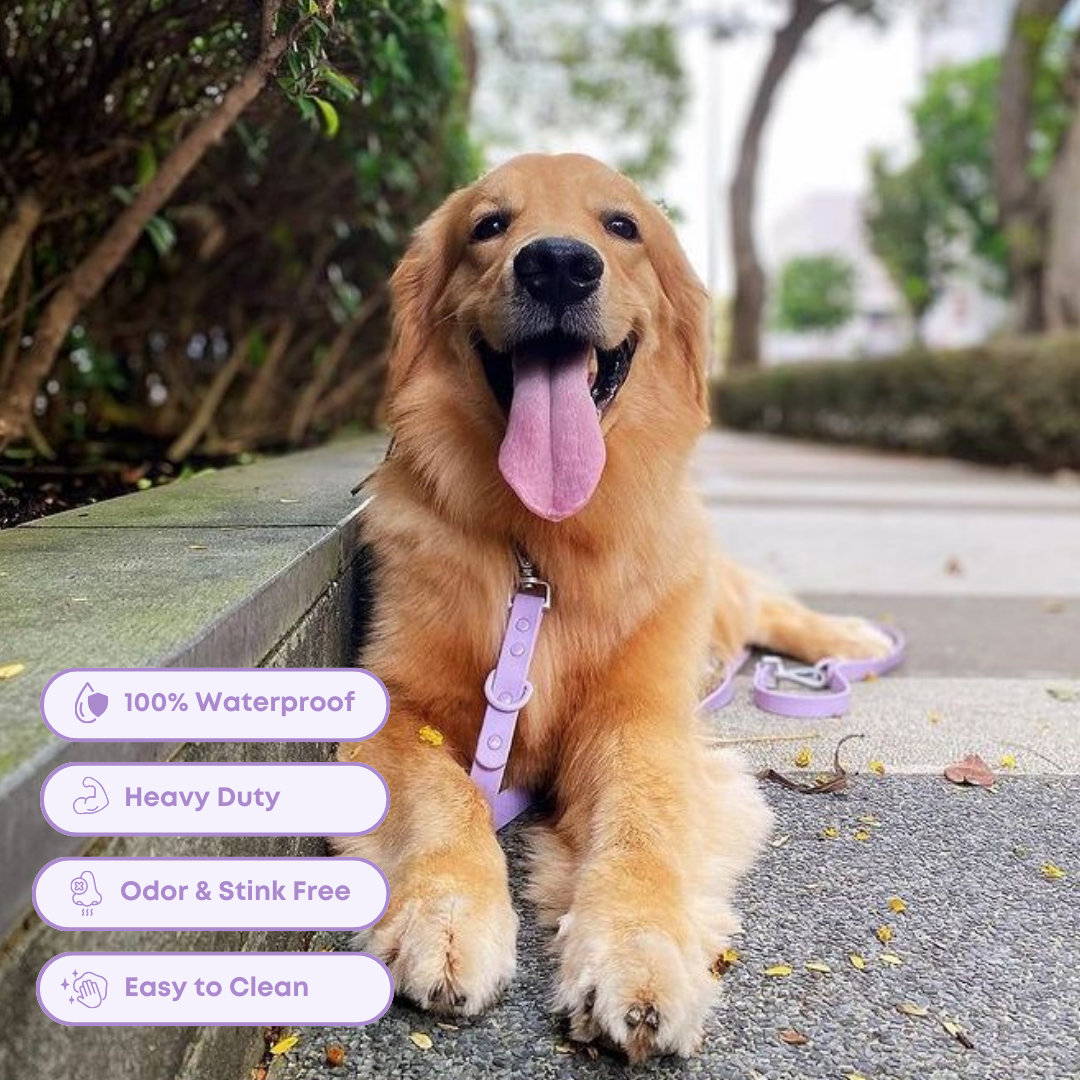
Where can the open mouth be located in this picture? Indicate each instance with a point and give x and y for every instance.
(608, 368)
(554, 389)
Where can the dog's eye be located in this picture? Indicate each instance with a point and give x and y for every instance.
(622, 226)
(490, 225)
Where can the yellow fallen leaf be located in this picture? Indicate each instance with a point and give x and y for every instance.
(862, 834)
(823, 777)
(563, 1048)
(957, 1032)
(854, 1076)
(283, 1046)
(896, 905)
(778, 971)
(884, 934)
(431, 736)
(819, 966)
(857, 962)
(877, 767)
(869, 819)
(1008, 761)
(912, 1010)
(890, 958)
(830, 832)
(9, 671)
(723, 963)
(420, 1040)
(804, 757)
(1051, 872)
(934, 716)
(780, 841)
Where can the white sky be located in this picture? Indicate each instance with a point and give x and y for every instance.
(846, 94)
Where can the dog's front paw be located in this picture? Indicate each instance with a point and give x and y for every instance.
(450, 944)
(634, 988)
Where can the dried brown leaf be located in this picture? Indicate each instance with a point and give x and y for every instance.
(970, 770)
(824, 784)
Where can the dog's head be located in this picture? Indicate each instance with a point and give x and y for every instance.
(549, 309)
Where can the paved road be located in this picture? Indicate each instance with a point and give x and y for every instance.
(982, 568)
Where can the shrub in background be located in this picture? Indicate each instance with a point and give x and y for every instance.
(250, 310)
(1013, 402)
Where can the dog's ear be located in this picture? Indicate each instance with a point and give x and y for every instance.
(416, 287)
(689, 301)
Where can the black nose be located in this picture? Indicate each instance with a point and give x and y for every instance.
(558, 270)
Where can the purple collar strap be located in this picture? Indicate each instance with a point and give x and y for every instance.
(507, 689)
(825, 689)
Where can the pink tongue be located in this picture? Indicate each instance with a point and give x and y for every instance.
(553, 452)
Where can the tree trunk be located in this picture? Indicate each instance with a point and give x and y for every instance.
(14, 237)
(324, 374)
(90, 275)
(1061, 284)
(744, 349)
(210, 402)
(1021, 198)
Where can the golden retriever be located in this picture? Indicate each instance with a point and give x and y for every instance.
(547, 384)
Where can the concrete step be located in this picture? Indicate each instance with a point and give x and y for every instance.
(986, 940)
(920, 725)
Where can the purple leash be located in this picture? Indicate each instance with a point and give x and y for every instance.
(829, 682)
(508, 690)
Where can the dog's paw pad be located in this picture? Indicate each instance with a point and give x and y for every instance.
(639, 1014)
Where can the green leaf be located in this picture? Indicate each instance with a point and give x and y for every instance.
(161, 234)
(331, 120)
(345, 87)
(146, 165)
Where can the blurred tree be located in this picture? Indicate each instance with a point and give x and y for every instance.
(609, 70)
(1022, 198)
(744, 349)
(815, 292)
(106, 70)
(926, 217)
(907, 221)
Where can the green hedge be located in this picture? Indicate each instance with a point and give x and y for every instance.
(1011, 402)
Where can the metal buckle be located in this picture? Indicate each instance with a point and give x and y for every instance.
(532, 584)
(812, 676)
(528, 580)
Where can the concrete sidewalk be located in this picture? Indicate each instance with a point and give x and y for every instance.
(982, 569)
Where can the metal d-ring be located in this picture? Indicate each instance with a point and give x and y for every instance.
(506, 706)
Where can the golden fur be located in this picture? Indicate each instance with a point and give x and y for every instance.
(651, 830)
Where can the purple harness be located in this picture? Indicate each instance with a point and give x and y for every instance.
(508, 690)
